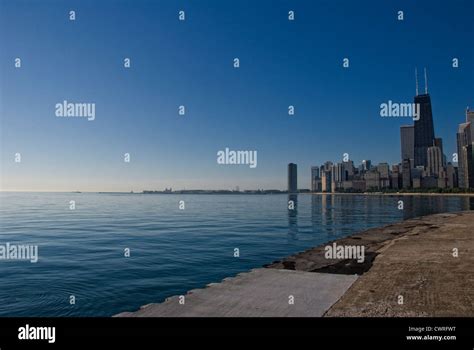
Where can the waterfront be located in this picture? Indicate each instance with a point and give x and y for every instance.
(411, 270)
(81, 251)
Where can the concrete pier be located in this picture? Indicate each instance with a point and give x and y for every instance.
(428, 262)
(260, 292)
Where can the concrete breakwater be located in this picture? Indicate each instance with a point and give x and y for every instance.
(418, 267)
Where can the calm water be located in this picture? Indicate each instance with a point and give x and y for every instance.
(81, 252)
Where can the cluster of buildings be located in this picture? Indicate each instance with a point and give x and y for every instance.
(465, 143)
(423, 162)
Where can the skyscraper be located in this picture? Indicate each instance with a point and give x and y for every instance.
(315, 179)
(470, 119)
(407, 138)
(366, 165)
(451, 179)
(469, 157)
(424, 129)
(438, 141)
(470, 165)
(338, 173)
(463, 140)
(406, 173)
(348, 169)
(326, 181)
(372, 179)
(326, 166)
(435, 161)
(396, 177)
(384, 172)
(292, 178)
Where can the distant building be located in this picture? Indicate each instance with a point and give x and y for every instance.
(341, 172)
(416, 182)
(326, 181)
(354, 185)
(396, 177)
(338, 176)
(451, 178)
(366, 165)
(372, 179)
(417, 174)
(438, 142)
(463, 140)
(292, 178)
(435, 162)
(407, 141)
(470, 165)
(406, 174)
(326, 167)
(429, 182)
(316, 185)
(384, 172)
(465, 137)
(348, 169)
(315, 172)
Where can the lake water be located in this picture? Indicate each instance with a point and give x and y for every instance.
(81, 251)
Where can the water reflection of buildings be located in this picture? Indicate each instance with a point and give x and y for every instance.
(340, 215)
(415, 206)
(420, 206)
(468, 203)
(327, 203)
(328, 213)
(293, 216)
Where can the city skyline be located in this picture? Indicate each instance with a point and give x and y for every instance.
(175, 63)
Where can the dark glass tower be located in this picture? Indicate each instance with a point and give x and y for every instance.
(424, 129)
(292, 178)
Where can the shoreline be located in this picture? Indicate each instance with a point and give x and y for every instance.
(395, 194)
(390, 194)
(412, 259)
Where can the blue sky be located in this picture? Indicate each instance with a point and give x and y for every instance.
(190, 63)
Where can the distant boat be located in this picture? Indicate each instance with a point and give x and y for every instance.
(76, 192)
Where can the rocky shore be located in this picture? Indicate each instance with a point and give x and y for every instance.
(417, 267)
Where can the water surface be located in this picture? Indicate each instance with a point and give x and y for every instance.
(81, 251)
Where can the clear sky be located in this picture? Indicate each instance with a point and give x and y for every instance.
(191, 63)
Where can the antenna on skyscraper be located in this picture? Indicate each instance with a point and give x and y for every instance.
(416, 80)
(426, 83)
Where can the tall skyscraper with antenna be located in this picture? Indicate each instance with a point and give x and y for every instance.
(424, 128)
